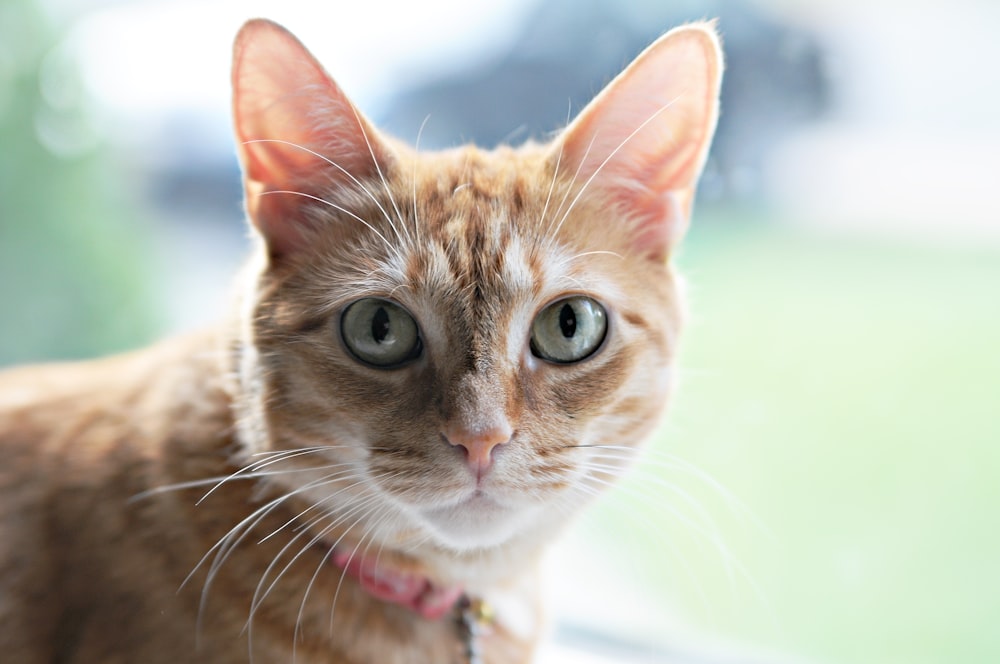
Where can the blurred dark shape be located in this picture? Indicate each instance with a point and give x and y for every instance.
(566, 52)
(189, 168)
(569, 49)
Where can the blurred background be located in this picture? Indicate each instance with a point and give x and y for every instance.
(825, 488)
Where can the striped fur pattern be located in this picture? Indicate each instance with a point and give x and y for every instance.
(235, 464)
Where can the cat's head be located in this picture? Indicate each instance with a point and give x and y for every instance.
(461, 347)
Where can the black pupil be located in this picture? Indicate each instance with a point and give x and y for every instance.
(380, 325)
(567, 321)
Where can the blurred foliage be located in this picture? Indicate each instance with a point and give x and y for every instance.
(71, 283)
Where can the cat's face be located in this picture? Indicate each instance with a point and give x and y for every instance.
(461, 346)
(470, 361)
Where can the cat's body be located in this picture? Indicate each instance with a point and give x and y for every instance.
(434, 362)
(93, 574)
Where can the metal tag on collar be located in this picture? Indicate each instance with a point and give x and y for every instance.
(473, 617)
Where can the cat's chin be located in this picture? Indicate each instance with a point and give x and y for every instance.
(476, 522)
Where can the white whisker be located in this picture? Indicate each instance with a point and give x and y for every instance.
(646, 525)
(550, 234)
(343, 170)
(350, 558)
(672, 462)
(552, 184)
(595, 253)
(375, 519)
(703, 525)
(261, 594)
(381, 175)
(354, 505)
(339, 208)
(413, 180)
(222, 549)
(330, 479)
(604, 163)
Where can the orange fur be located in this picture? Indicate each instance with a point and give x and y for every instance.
(107, 463)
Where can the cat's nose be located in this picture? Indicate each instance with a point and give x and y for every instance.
(479, 444)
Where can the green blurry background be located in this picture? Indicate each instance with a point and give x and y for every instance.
(71, 254)
(840, 387)
(847, 393)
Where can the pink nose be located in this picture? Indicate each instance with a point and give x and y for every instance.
(479, 445)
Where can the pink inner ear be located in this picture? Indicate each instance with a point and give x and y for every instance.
(660, 221)
(644, 139)
(296, 132)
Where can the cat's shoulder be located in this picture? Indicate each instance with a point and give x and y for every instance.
(33, 385)
(46, 403)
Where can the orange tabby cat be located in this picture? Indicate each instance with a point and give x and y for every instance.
(435, 361)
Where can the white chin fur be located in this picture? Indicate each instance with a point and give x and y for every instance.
(477, 523)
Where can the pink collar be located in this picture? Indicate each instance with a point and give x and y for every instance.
(415, 592)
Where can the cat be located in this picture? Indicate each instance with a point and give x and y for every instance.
(434, 361)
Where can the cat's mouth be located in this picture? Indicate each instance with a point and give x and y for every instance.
(477, 503)
(477, 520)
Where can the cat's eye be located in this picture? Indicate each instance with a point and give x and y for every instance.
(380, 333)
(569, 330)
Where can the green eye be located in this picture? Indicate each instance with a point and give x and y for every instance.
(380, 333)
(569, 330)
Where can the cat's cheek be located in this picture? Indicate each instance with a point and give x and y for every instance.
(649, 407)
(661, 385)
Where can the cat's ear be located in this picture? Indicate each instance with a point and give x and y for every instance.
(643, 140)
(297, 133)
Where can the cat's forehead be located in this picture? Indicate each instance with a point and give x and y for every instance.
(468, 231)
(494, 190)
(494, 223)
